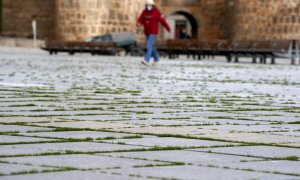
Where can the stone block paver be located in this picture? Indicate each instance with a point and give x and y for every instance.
(116, 119)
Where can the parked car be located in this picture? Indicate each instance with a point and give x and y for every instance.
(125, 40)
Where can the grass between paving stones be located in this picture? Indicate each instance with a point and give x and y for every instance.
(15, 123)
(173, 118)
(172, 135)
(55, 110)
(10, 133)
(117, 91)
(155, 160)
(186, 125)
(295, 122)
(55, 140)
(289, 158)
(22, 105)
(66, 115)
(67, 152)
(243, 143)
(45, 171)
(161, 165)
(62, 140)
(8, 115)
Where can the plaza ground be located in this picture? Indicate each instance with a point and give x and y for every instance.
(84, 117)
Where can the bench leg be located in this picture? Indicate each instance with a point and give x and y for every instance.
(254, 60)
(261, 60)
(273, 60)
(236, 59)
(199, 57)
(293, 61)
(228, 57)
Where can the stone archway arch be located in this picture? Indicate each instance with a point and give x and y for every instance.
(191, 14)
(192, 20)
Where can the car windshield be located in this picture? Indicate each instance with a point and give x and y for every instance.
(106, 38)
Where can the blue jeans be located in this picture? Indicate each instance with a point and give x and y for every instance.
(151, 51)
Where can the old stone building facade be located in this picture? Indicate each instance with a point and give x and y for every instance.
(207, 19)
(266, 19)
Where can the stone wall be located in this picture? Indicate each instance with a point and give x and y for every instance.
(17, 16)
(266, 19)
(78, 19)
(216, 19)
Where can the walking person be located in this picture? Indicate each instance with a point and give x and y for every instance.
(150, 19)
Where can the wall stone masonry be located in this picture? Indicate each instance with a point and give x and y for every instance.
(76, 19)
(17, 16)
(266, 19)
(216, 19)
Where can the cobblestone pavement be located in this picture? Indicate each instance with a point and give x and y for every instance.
(86, 117)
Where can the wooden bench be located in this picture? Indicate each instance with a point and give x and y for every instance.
(73, 47)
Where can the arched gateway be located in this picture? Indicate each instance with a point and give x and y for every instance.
(183, 25)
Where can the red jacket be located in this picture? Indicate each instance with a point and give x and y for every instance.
(151, 19)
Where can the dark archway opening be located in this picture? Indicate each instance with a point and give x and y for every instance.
(182, 22)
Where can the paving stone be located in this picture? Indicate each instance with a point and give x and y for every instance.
(82, 161)
(7, 169)
(169, 141)
(182, 130)
(61, 147)
(163, 123)
(253, 128)
(259, 151)
(74, 175)
(196, 172)
(272, 166)
(21, 129)
(22, 119)
(17, 139)
(199, 96)
(78, 134)
(193, 157)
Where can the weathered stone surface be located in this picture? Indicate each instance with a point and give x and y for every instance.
(74, 175)
(17, 139)
(165, 141)
(194, 172)
(17, 17)
(258, 151)
(15, 128)
(187, 156)
(7, 169)
(81, 161)
(179, 103)
(78, 134)
(215, 19)
(61, 147)
(267, 20)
